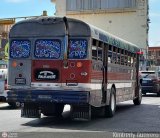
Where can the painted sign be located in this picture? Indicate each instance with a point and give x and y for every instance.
(48, 74)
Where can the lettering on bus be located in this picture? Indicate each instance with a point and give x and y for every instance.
(46, 74)
(20, 49)
(77, 49)
(48, 49)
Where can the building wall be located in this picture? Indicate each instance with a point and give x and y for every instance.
(5, 25)
(129, 24)
(4, 31)
(154, 56)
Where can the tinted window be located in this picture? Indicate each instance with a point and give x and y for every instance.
(20, 49)
(77, 48)
(50, 49)
(148, 74)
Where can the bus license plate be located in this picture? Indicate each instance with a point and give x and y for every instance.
(20, 81)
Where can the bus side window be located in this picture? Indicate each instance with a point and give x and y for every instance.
(94, 52)
(122, 57)
(119, 56)
(110, 54)
(100, 51)
(100, 56)
(129, 59)
(114, 55)
(126, 58)
(132, 59)
(94, 49)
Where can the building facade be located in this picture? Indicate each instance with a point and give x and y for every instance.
(127, 19)
(5, 25)
(154, 56)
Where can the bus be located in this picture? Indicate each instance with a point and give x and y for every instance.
(58, 61)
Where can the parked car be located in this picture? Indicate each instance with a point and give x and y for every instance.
(150, 82)
(3, 80)
(3, 84)
(3, 94)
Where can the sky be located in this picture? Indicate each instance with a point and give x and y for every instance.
(154, 30)
(21, 8)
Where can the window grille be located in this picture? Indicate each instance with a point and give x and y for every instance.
(93, 5)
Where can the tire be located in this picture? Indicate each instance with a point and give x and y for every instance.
(111, 108)
(137, 100)
(58, 110)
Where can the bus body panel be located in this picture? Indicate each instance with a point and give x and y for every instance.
(19, 73)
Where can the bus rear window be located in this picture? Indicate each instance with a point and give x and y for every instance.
(20, 49)
(77, 48)
(49, 49)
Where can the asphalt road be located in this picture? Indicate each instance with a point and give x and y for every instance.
(129, 121)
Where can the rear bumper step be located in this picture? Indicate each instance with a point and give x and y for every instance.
(67, 97)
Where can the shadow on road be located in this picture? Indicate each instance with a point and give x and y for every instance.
(128, 118)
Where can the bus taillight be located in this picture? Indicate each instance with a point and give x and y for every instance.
(14, 64)
(79, 64)
(140, 53)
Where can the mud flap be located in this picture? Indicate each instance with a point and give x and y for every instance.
(81, 112)
(30, 111)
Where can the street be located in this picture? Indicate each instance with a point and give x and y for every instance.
(128, 119)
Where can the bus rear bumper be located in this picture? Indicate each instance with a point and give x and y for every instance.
(51, 96)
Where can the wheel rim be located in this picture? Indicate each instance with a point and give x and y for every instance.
(112, 102)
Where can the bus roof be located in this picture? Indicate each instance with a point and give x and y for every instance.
(76, 28)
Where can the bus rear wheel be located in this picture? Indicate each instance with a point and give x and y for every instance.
(111, 108)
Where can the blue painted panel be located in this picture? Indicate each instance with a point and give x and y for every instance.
(50, 49)
(20, 49)
(77, 97)
(78, 48)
